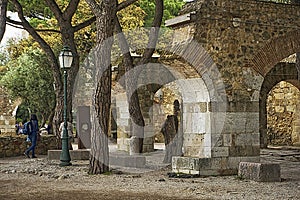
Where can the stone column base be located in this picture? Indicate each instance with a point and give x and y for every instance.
(209, 166)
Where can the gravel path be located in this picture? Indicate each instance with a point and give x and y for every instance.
(39, 178)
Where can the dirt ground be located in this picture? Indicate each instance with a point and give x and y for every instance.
(22, 179)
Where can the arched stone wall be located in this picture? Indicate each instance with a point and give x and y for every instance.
(275, 51)
(231, 45)
(281, 72)
(196, 59)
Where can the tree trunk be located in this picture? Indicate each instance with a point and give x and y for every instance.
(105, 12)
(58, 118)
(3, 6)
(298, 64)
(99, 159)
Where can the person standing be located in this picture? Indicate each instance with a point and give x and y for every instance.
(33, 136)
(70, 133)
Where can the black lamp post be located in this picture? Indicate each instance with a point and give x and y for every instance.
(65, 60)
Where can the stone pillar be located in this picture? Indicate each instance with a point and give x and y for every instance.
(123, 121)
(296, 125)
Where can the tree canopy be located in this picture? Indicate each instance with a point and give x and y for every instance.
(29, 78)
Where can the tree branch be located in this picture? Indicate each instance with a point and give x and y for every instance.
(19, 25)
(15, 23)
(3, 8)
(154, 31)
(47, 30)
(34, 34)
(123, 45)
(125, 4)
(55, 9)
(84, 24)
(71, 9)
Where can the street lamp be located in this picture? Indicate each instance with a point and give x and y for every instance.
(65, 60)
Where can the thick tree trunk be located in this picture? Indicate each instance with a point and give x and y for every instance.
(99, 159)
(58, 118)
(105, 12)
(3, 7)
(298, 64)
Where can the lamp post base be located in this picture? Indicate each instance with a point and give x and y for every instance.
(64, 164)
(65, 157)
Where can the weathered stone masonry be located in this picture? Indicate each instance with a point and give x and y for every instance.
(245, 39)
(16, 145)
(230, 51)
(7, 106)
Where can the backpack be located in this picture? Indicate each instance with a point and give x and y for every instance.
(27, 128)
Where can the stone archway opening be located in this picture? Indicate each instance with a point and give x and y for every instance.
(194, 133)
(283, 118)
(279, 81)
(163, 105)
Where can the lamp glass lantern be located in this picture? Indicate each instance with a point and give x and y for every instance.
(65, 58)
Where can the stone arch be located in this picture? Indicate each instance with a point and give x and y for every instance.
(275, 51)
(194, 126)
(281, 72)
(200, 66)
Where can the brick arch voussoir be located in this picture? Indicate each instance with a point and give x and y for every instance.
(197, 57)
(275, 51)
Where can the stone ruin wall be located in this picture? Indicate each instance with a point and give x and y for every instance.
(283, 107)
(16, 145)
(7, 120)
(234, 31)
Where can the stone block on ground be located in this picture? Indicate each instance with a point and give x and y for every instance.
(80, 154)
(203, 166)
(260, 172)
(123, 160)
(186, 165)
(127, 161)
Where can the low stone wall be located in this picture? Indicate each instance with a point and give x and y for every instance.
(16, 145)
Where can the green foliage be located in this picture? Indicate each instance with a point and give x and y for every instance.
(29, 78)
(33, 8)
(131, 17)
(22, 113)
(3, 58)
(171, 9)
